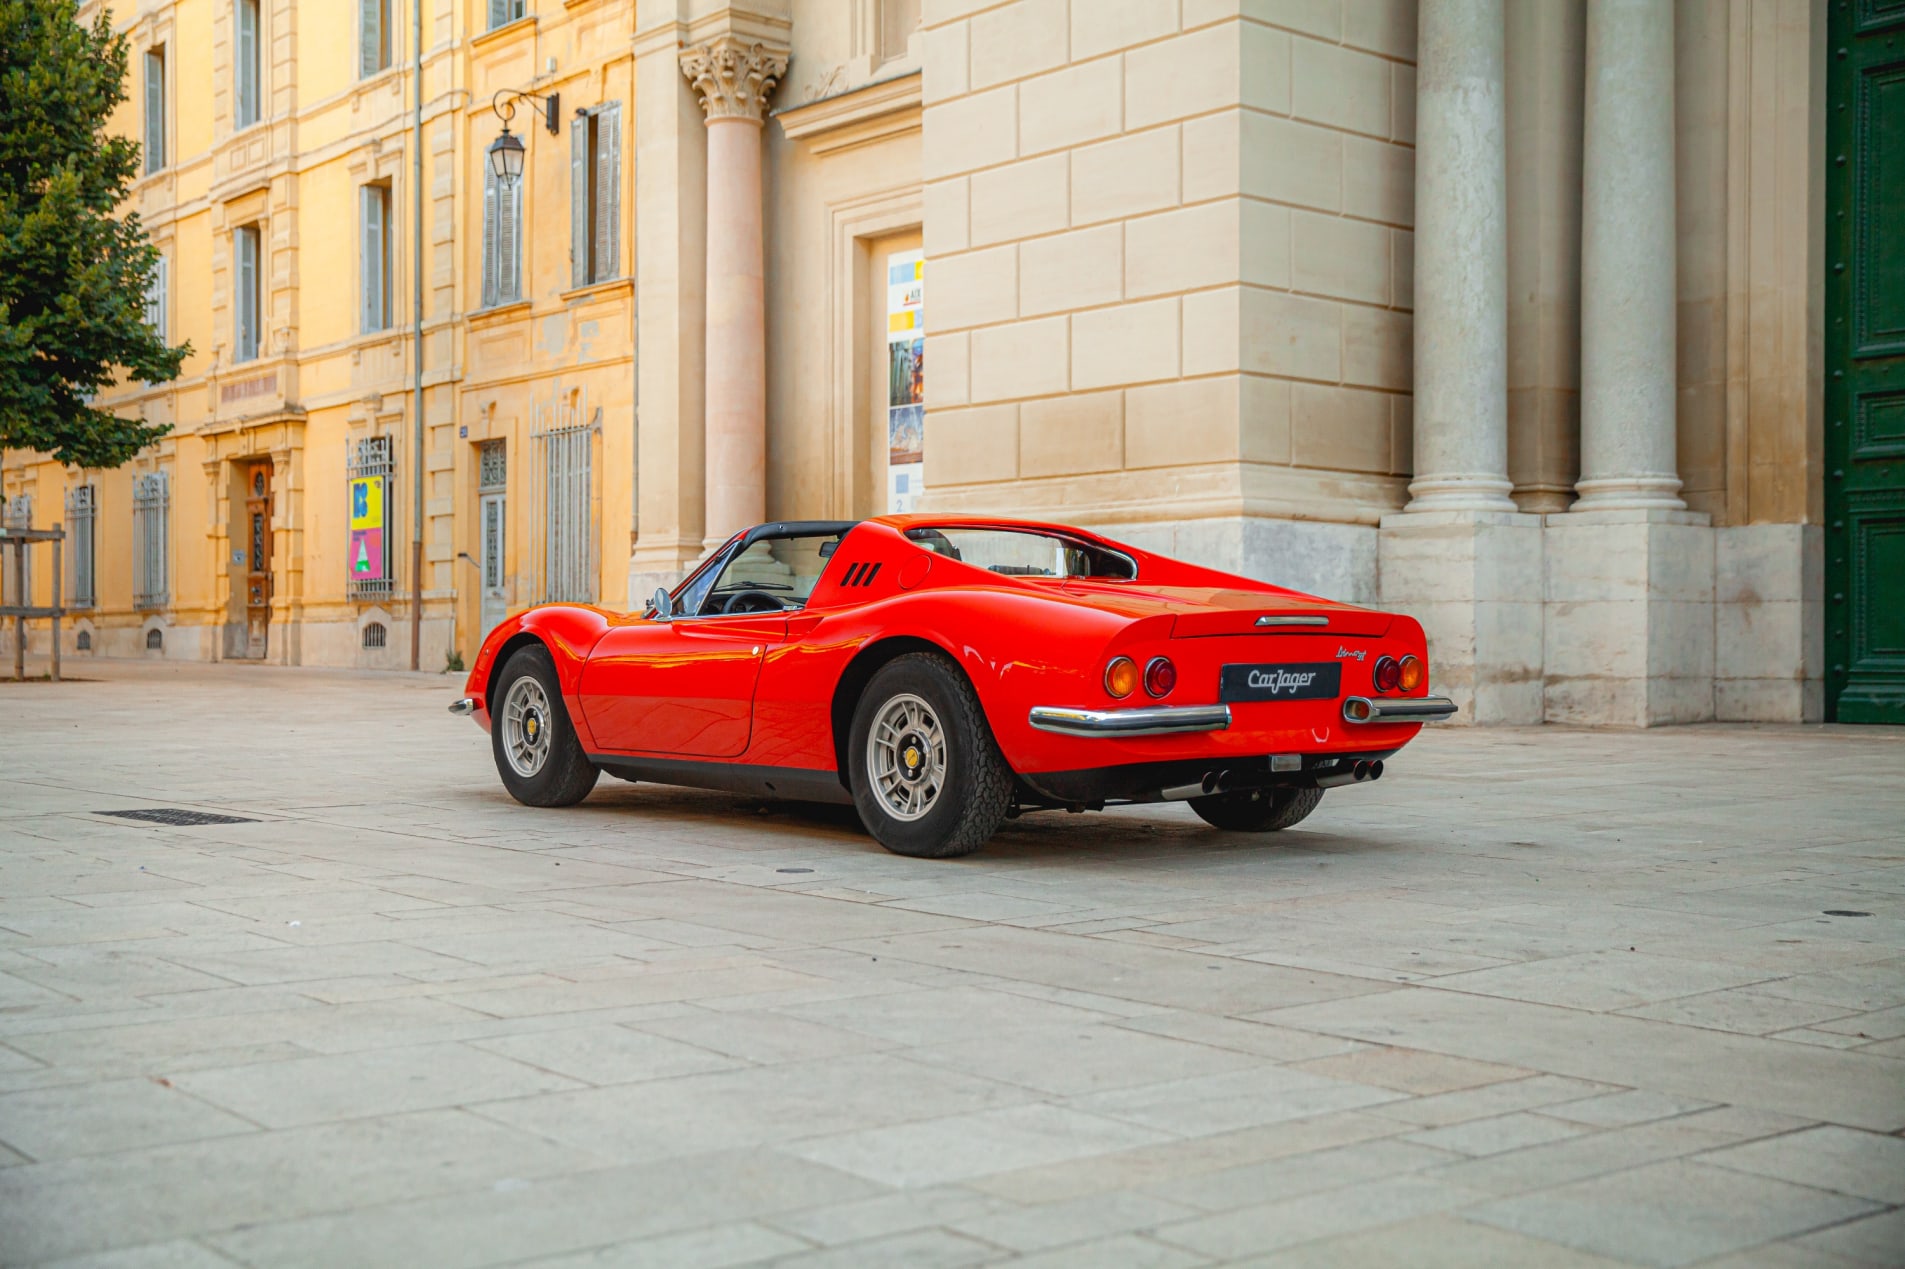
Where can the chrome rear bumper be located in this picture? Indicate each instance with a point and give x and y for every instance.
(1414, 709)
(1155, 720)
(465, 706)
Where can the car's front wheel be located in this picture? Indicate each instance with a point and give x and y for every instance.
(537, 752)
(927, 776)
(1256, 810)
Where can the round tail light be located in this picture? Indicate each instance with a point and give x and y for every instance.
(1121, 676)
(1160, 676)
(1410, 674)
(1388, 674)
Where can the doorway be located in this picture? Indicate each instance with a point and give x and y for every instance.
(894, 334)
(1865, 366)
(255, 578)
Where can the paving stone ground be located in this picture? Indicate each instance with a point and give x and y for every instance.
(1538, 998)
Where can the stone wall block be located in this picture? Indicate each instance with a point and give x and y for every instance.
(1213, 156)
(951, 380)
(1291, 162)
(1021, 199)
(1128, 343)
(1211, 324)
(1347, 259)
(1378, 348)
(1379, 180)
(948, 216)
(943, 63)
(1265, 408)
(1339, 429)
(1127, 177)
(1061, 436)
(1022, 359)
(975, 288)
(1754, 563)
(1190, 74)
(1184, 421)
(985, 448)
(1103, 26)
(969, 133)
(1080, 269)
(1387, 27)
(1341, 88)
(1291, 335)
(1071, 107)
(1265, 234)
(1184, 250)
(1019, 39)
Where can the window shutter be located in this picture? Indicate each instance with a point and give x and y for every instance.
(513, 242)
(247, 62)
(370, 37)
(498, 13)
(155, 109)
(579, 207)
(489, 237)
(608, 192)
(371, 267)
(155, 297)
(245, 244)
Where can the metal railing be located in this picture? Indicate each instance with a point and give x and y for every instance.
(14, 543)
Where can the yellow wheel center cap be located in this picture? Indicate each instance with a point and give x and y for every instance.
(912, 757)
(531, 726)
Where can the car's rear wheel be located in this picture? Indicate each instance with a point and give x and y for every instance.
(1256, 810)
(537, 752)
(927, 776)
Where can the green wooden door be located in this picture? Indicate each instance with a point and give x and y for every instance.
(1865, 362)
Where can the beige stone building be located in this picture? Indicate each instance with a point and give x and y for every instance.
(1563, 324)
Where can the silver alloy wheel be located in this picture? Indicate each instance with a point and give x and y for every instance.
(526, 726)
(906, 757)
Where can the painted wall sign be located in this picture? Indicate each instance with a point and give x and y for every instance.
(906, 372)
(366, 561)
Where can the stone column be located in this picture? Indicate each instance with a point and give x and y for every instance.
(734, 78)
(1628, 338)
(1461, 284)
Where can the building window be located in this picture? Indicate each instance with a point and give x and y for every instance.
(374, 274)
(80, 513)
(898, 20)
(503, 12)
(567, 489)
(83, 641)
(151, 534)
(155, 108)
(18, 590)
(373, 37)
(155, 640)
(376, 635)
(246, 77)
(247, 294)
(368, 554)
(502, 240)
(156, 295)
(595, 195)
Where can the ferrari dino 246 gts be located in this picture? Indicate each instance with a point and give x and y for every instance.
(942, 674)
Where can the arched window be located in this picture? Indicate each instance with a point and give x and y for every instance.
(375, 635)
(155, 640)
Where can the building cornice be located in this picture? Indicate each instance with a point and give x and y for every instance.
(886, 108)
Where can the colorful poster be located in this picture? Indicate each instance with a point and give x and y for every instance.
(906, 373)
(366, 560)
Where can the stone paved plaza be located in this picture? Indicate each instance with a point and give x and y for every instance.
(1539, 998)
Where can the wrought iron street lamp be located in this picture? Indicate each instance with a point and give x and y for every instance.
(506, 151)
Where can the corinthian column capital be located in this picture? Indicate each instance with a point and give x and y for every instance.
(733, 76)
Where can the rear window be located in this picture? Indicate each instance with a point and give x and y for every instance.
(1025, 553)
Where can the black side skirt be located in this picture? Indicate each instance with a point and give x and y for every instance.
(796, 783)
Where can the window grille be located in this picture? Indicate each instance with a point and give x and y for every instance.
(373, 37)
(151, 536)
(155, 108)
(503, 12)
(368, 512)
(83, 641)
(565, 486)
(245, 78)
(492, 467)
(502, 240)
(155, 640)
(376, 635)
(246, 293)
(80, 518)
(19, 588)
(595, 195)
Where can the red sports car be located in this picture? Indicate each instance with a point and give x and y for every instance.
(942, 674)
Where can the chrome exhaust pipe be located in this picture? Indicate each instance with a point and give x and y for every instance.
(1358, 774)
(1213, 782)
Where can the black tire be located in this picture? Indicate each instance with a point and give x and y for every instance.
(563, 775)
(1257, 810)
(974, 783)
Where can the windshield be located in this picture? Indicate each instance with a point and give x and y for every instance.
(771, 575)
(1025, 553)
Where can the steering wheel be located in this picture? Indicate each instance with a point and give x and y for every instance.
(752, 601)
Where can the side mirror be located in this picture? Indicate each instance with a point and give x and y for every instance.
(664, 606)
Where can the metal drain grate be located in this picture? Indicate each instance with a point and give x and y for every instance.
(173, 815)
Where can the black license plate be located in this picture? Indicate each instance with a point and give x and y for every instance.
(1309, 681)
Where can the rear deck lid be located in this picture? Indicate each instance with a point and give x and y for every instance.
(1241, 613)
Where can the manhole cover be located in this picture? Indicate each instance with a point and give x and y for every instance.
(173, 815)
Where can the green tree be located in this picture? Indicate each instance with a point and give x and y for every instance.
(73, 276)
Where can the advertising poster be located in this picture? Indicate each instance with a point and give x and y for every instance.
(905, 385)
(366, 559)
